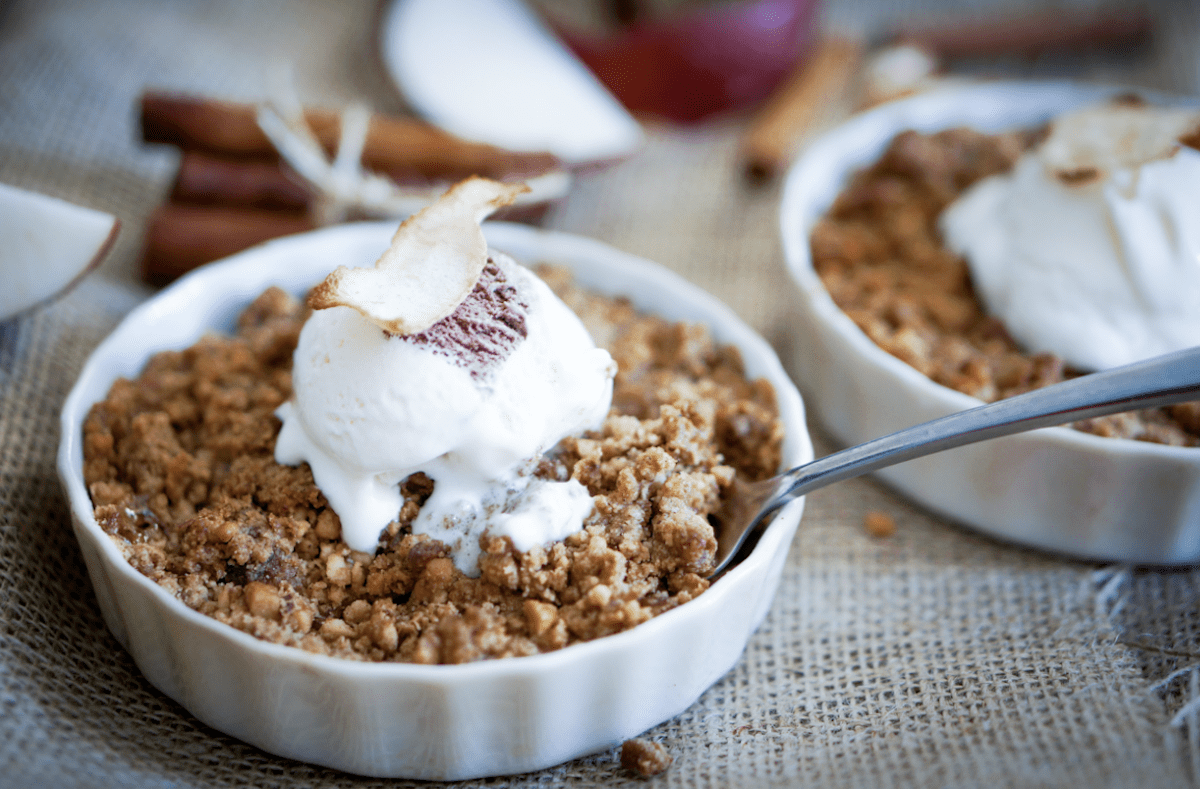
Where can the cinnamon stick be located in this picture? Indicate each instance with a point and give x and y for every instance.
(1033, 34)
(818, 80)
(208, 179)
(180, 237)
(398, 147)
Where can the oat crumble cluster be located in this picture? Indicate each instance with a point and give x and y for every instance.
(645, 757)
(881, 257)
(180, 466)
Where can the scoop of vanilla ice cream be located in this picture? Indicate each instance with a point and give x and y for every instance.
(470, 402)
(1090, 247)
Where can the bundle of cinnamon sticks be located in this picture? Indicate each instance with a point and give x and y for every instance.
(233, 190)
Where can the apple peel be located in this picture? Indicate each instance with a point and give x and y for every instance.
(434, 260)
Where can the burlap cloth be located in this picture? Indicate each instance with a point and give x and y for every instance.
(935, 657)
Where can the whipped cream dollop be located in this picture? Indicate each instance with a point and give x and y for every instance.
(1089, 247)
(473, 402)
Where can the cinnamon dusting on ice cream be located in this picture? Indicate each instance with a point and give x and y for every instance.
(483, 330)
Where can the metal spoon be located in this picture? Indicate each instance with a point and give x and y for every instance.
(1163, 380)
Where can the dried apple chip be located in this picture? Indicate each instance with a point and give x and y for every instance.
(434, 260)
(1089, 144)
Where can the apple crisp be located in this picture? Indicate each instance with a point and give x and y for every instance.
(180, 466)
(881, 257)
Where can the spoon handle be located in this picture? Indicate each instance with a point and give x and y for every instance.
(1163, 380)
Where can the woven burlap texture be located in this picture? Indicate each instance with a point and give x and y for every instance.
(935, 657)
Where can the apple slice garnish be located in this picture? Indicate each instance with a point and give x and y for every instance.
(1089, 144)
(434, 260)
(46, 246)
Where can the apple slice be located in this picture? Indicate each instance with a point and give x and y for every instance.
(490, 71)
(46, 246)
(1091, 143)
(434, 260)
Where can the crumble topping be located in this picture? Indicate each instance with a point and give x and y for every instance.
(879, 524)
(645, 757)
(881, 257)
(180, 467)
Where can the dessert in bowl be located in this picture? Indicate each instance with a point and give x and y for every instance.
(488, 717)
(1090, 495)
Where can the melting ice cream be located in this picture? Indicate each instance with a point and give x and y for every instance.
(472, 399)
(1090, 247)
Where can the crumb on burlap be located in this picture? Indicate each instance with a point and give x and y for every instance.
(645, 757)
(880, 255)
(879, 524)
(180, 466)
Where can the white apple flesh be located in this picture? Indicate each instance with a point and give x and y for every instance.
(46, 246)
(490, 71)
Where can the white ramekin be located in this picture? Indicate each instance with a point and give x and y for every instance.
(1055, 488)
(434, 722)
